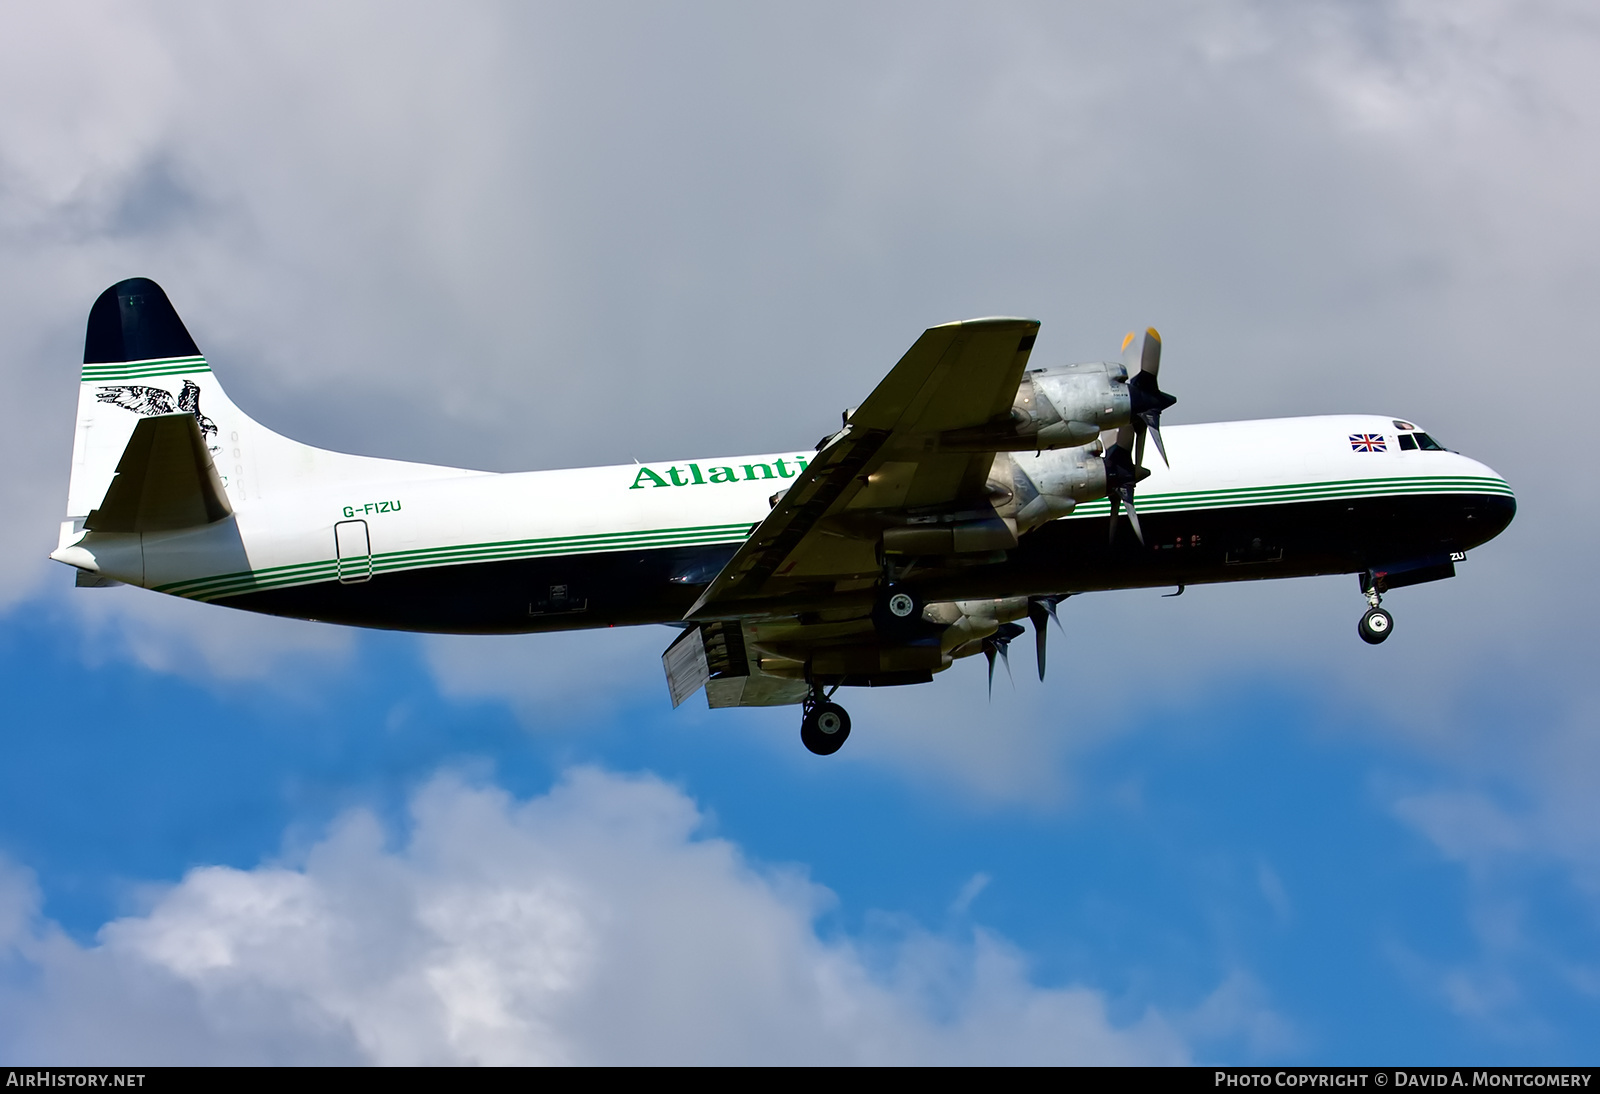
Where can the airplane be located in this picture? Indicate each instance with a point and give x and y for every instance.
(969, 491)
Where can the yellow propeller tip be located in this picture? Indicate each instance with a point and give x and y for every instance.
(1153, 333)
(1128, 339)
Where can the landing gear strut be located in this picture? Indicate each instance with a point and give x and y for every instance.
(824, 726)
(1377, 623)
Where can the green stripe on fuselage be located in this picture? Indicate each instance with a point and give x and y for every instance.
(275, 577)
(388, 562)
(1232, 497)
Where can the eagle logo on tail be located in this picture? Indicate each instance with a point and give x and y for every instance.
(150, 401)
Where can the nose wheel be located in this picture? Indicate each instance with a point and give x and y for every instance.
(1377, 623)
(824, 726)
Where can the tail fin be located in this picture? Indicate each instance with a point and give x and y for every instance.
(161, 448)
(139, 363)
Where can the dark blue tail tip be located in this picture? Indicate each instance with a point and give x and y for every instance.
(134, 321)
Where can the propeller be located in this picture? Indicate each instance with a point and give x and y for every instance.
(1146, 396)
(1042, 609)
(1125, 458)
(1121, 475)
(996, 643)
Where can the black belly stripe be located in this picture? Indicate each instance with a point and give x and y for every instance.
(1190, 547)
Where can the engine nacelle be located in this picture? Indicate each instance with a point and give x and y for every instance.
(1045, 485)
(1091, 395)
(968, 622)
(1061, 407)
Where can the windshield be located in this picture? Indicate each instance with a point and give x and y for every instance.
(1411, 442)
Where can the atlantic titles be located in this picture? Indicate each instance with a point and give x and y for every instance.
(693, 474)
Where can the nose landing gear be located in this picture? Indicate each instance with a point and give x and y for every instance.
(1376, 624)
(824, 726)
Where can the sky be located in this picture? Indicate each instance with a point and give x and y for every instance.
(520, 236)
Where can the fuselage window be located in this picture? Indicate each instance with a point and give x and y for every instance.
(1428, 444)
(1408, 443)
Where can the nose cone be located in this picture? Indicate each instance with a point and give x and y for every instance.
(1488, 501)
(1497, 513)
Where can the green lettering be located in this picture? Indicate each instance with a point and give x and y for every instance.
(783, 471)
(750, 471)
(694, 469)
(672, 473)
(646, 473)
(801, 460)
(724, 474)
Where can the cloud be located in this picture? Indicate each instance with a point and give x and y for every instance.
(1520, 819)
(202, 642)
(596, 923)
(470, 237)
(554, 679)
(516, 237)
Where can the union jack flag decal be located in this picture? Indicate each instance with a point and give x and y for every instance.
(1367, 442)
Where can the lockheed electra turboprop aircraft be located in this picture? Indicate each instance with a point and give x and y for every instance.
(967, 492)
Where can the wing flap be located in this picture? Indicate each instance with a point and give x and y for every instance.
(685, 665)
(715, 656)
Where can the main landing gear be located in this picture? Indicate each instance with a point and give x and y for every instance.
(824, 726)
(1377, 623)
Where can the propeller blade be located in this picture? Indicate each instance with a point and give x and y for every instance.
(1040, 611)
(1150, 359)
(1154, 429)
(1121, 474)
(1133, 516)
(1050, 602)
(997, 643)
(1147, 397)
(1130, 351)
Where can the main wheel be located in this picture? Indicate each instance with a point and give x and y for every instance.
(1375, 626)
(824, 728)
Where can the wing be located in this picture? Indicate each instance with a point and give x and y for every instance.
(886, 469)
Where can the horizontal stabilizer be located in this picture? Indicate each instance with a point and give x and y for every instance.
(164, 481)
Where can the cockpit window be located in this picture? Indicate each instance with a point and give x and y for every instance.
(1410, 442)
